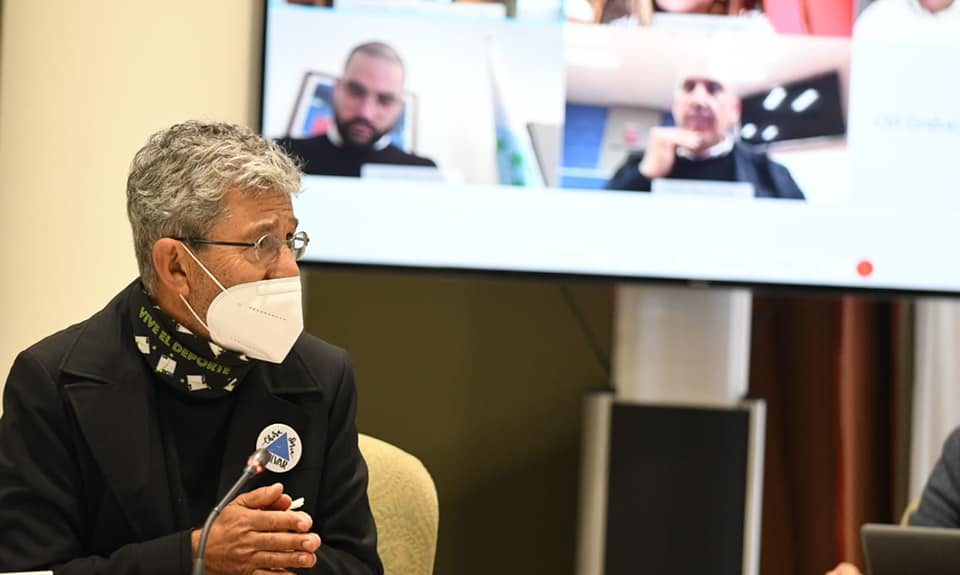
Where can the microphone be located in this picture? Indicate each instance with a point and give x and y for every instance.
(255, 463)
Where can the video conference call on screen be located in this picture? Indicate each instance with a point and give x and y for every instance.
(749, 142)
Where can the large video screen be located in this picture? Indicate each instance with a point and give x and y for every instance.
(777, 142)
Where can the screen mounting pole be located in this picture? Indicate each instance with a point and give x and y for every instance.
(673, 346)
(681, 344)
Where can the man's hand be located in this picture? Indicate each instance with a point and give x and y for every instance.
(255, 534)
(845, 569)
(662, 149)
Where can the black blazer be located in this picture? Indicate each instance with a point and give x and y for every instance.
(83, 478)
(769, 179)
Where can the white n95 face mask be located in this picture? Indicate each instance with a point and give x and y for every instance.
(260, 319)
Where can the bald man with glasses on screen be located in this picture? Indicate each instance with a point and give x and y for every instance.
(703, 146)
(367, 105)
(119, 434)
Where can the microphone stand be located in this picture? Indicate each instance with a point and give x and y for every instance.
(254, 467)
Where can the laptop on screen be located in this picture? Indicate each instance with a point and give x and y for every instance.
(717, 189)
(401, 172)
(896, 550)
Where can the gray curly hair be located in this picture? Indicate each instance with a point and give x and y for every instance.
(178, 180)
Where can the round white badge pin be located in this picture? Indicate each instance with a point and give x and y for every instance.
(283, 444)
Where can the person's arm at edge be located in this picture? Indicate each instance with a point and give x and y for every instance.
(940, 500)
(628, 176)
(41, 503)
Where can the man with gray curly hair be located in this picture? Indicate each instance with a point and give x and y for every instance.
(121, 433)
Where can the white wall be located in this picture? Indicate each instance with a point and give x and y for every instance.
(82, 85)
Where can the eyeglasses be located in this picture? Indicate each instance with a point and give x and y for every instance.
(711, 86)
(267, 247)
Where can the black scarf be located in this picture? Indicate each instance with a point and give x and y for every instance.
(189, 364)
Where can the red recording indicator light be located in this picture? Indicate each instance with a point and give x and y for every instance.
(865, 268)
